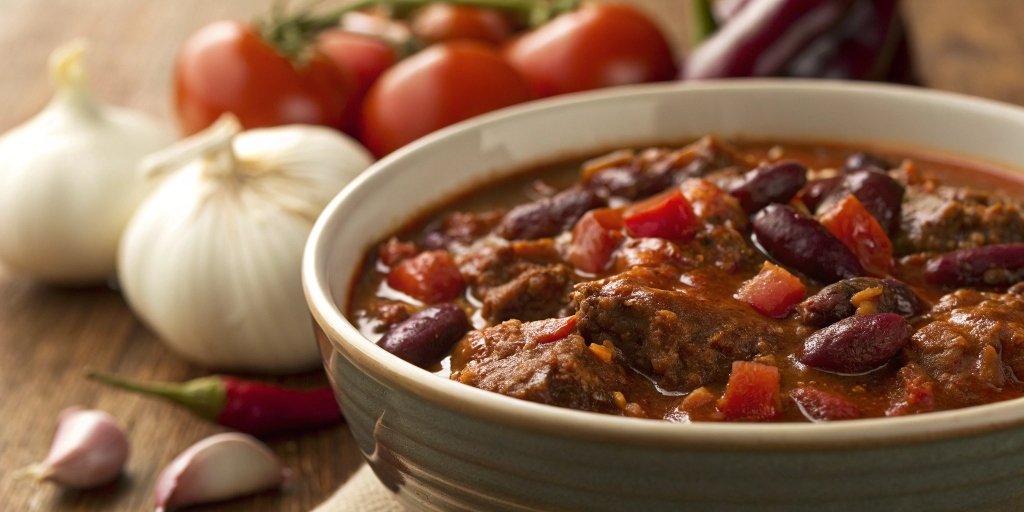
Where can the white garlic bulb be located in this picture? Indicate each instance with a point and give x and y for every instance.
(68, 181)
(212, 259)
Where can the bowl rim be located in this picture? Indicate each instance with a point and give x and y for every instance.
(568, 423)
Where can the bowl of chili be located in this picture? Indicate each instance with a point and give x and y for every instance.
(441, 444)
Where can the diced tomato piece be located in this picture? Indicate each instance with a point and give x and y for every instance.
(594, 238)
(430, 277)
(546, 331)
(752, 393)
(818, 405)
(860, 232)
(712, 204)
(773, 291)
(669, 216)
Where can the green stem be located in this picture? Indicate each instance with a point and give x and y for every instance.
(291, 34)
(203, 396)
(703, 20)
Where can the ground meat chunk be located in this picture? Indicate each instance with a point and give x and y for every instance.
(972, 344)
(537, 293)
(649, 252)
(494, 262)
(724, 247)
(461, 227)
(718, 245)
(683, 338)
(387, 313)
(508, 359)
(943, 219)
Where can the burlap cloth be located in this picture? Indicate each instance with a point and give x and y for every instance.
(361, 493)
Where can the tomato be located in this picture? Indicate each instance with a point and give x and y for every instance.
(773, 291)
(437, 87)
(598, 45)
(594, 237)
(546, 331)
(365, 57)
(667, 216)
(430, 277)
(448, 22)
(752, 393)
(227, 67)
(860, 232)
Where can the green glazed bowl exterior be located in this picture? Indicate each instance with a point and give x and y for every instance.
(441, 445)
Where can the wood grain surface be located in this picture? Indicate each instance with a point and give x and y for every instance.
(48, 337)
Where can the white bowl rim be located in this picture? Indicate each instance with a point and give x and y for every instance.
(618, 430)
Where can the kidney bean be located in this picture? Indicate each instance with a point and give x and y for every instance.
(862, 161)
(991, 265)
(832, 303)
(547, 216)
(817, 190)
(773, 183)
(881, 195)
(857, 344)
(425, 337)
(633, 181)
(801, 243)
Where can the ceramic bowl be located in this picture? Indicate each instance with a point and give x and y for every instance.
(442, 445)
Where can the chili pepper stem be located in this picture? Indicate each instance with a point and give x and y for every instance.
(203, 396)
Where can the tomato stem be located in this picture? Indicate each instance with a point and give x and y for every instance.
(292, 33)
(704, 23)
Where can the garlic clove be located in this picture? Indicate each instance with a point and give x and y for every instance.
(89, 449)
(220, 467)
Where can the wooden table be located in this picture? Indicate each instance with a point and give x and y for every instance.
(49, 336)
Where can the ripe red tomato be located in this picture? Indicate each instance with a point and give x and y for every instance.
(439, 86)
(598, 45)
(227, 67)
(365, 57)
(448, 22)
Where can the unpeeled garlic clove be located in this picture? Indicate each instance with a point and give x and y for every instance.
(220, 467)
(89, 449)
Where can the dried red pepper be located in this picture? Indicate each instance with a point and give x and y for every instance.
(249, 406)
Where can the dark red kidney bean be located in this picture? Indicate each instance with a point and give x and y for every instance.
(817, 190)
(773, 183)
(861, 161)
(801, 243)
(881, 196)
(817, 405)
(633, 180)
(991, 265)
(832, 303)
(547, 216)
(425, 337)
(857, 344)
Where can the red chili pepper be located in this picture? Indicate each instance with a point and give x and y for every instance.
(253, 407)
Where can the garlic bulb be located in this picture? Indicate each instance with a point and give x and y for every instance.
(212, 258)
(67, 181)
